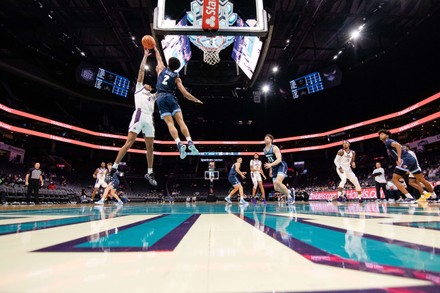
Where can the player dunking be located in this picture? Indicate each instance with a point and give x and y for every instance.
(232, 177)
(142, 120)
(167, 82)
(405, 162)
(256, 173)
(277, 167)
(344, 161)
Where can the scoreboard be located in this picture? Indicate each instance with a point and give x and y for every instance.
(103, 79)
(112, 82)
(316, 81)
(307, 85)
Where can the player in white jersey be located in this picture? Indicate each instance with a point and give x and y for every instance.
(99, 175)
(344, 161)
(142, 120)
(256, 173)
(415, 183)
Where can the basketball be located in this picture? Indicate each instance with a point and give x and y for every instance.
(148, 42)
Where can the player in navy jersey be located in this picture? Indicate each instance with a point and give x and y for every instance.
(167, 82)
(277, 167)
(232, 177)
(142, 120)
(405, 162)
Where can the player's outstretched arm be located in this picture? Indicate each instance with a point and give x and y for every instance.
(142, 66)
(185, 93)
(160, 66)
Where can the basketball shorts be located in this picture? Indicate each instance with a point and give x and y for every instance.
(167, 104)
(100, 183)
(409, 164)
(280, 169)
(142, 122)
(348, 174)
(233, 180)
(256, 177)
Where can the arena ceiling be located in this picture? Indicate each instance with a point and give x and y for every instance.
(391, 66)
(52, 35)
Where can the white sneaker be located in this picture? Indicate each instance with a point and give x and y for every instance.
(150, 178)
(228, 199)
(100, 202)
(243, 202)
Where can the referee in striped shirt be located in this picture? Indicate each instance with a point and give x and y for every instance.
(34, 179)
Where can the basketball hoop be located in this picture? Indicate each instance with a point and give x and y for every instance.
(211, 47)
(211, 55)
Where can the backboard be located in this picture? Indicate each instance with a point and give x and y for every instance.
(168, 13)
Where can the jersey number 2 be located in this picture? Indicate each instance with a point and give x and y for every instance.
(165, 79)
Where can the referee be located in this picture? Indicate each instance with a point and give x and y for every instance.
(34, 179)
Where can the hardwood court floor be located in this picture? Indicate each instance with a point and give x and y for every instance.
(313, 247)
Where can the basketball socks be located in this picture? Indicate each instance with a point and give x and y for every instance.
(115, 166)
(407, 195)
(150, 170)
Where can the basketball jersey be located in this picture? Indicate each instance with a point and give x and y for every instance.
(144, 99)
(270, 155)
(392, 150)
(255, 165)
(345, 162)
(101, 173)
(233, 172)
(166, 82)
(109, 178)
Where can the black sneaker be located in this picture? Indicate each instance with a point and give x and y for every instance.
(150, 178)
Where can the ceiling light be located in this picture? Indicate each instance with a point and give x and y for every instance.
(265, 88)
(355, 35)
(147, 67)
(275, 69)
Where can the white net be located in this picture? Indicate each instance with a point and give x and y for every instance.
(211, 55)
